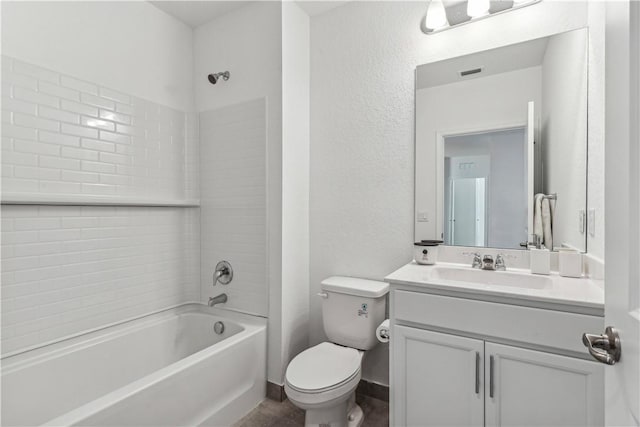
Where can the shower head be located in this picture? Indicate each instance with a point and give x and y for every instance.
(213, 78)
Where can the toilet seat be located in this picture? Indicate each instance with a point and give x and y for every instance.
(323, 367)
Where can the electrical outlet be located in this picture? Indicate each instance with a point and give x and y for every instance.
(592, 222)
(581, 221)
(423, 216)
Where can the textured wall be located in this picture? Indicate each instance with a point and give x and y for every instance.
(564, 132)
(363, 57)
(295, 182)
(595, 131)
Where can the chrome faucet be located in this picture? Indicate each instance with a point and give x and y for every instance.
(487, 263)
(220, 299)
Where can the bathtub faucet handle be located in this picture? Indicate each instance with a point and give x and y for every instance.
(223, 273)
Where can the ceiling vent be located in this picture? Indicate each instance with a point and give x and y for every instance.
(466, 73)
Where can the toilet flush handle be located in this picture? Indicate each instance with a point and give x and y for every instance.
(323, 294)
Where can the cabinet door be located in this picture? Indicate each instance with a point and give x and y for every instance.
(532, 388)
(438, 379)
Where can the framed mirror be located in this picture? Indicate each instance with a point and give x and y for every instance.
(501, 146)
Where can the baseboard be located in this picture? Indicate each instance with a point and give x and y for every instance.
(365, 388)
(371, 389)
(276, 392)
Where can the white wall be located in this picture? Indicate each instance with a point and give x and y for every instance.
(265, 46)
(595, 130)
(93, 107)
(463, 106)
(564, 132)
(295, 182)
(363, 57)
(67, 269)
(75, 137)
(105, 42)
(233, 203)
(248, 43)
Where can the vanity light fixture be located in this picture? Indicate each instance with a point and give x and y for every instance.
(436, 17)
(477, 8)
(446, 14)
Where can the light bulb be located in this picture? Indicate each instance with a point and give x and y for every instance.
(436, 16)
(477, 8)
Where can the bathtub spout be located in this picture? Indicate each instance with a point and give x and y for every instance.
(220, 299)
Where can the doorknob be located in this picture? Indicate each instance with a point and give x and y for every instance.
(604, 348)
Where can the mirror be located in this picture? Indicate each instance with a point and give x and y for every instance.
(501, 146)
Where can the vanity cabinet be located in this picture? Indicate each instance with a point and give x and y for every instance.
(533, 388)
(438, 379)
(459, 361)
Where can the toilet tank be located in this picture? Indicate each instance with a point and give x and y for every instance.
(352, 309)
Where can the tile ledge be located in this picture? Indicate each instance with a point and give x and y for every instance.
(91, 200)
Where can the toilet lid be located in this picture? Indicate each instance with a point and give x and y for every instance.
(324, 366)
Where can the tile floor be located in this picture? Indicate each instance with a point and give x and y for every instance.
(283, 414)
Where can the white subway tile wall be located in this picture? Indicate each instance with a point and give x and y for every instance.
(233, 203)
(66, 269)
(64, 135)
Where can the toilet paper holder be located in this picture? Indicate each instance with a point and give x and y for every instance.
(383, 331)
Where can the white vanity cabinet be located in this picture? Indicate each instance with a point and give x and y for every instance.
(438, 379)
(533, 388)
(467, 362)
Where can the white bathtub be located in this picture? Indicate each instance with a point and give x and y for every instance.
(165, 369)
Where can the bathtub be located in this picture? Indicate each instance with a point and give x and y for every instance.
(166, 369)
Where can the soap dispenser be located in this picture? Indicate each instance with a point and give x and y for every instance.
(539, 258)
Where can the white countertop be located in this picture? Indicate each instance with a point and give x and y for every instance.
(563, 293)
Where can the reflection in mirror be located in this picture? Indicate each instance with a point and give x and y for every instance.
(484, 178)
(501, 145)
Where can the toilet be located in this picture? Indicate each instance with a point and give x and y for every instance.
(322, 380)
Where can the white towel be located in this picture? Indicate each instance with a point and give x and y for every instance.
(543, 220)
(538, 230)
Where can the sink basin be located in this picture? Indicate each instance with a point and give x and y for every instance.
(491, 278)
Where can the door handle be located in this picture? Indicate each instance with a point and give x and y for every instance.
(604, 348)
(491, 376)
(477, 372)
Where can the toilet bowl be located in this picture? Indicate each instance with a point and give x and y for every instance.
(323, 379)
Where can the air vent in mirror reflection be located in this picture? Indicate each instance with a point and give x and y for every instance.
(469, 72)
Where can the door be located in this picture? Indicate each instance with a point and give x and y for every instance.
(622, 207)
(438, 379)
(532, 388)
(468, 211)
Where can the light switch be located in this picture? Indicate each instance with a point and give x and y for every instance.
(592, 222)
(423, 216)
